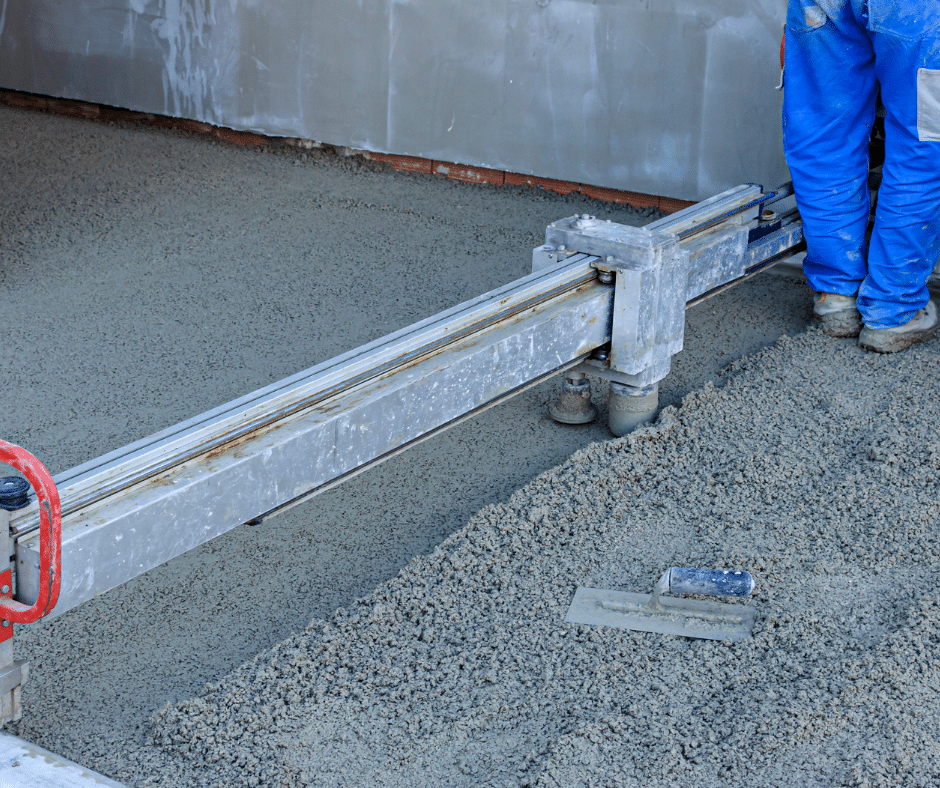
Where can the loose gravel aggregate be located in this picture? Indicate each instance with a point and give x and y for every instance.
(816, 468)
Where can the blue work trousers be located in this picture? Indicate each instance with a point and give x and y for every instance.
(838, 54)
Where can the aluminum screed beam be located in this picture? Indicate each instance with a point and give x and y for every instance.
(133, 509)
(136, 508)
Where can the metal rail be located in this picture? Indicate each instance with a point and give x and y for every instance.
(140, 506)
(137, 508)
(106, 475)
(713, 211)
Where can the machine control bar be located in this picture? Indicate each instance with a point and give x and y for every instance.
(48, 560)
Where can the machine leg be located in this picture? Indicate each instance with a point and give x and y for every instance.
(573, 405)
(13, 673)
(631, 406)
(11, 709)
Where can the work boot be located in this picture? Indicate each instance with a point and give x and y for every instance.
(837, 314)
(890, 340)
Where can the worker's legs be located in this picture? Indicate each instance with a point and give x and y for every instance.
(905, 242)
(829, 108)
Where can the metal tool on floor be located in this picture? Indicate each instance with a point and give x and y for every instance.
(673, 615)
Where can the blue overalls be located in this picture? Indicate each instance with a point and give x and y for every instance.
(838, 52)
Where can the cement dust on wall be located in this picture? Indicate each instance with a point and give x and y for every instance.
(632, 96)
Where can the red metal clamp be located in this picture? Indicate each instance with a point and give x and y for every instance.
(50, 537)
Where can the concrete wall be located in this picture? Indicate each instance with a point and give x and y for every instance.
(670, 97)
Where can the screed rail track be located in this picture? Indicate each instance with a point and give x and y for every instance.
(140, 506)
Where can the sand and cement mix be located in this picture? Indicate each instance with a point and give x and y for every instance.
(817, 468)
(146, 276)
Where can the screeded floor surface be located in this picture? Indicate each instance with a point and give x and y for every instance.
(147, 276)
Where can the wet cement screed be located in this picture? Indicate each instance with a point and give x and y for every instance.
(603, 299)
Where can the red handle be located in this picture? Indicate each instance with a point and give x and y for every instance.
(50, 537)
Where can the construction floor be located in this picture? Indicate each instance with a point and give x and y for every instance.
(147, 276)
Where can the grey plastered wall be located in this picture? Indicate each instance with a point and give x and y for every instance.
(671, 97)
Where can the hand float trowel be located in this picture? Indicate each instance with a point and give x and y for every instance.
(671, 615)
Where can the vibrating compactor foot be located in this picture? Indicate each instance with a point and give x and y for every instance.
(656, 272)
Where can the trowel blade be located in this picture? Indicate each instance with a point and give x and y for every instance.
(691, 618)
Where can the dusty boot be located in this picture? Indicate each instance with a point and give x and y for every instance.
(889, 340)
(838, 314)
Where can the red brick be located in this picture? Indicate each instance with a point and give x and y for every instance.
(462, 172)
(636, 199)
(183, 124)
(88, 110)
(160, 121)
(14, 98)
(73, 109)
(561, 187)
(405, 163)
(240, 137)
(61, 107)
(671, 205)
(116, 115)
(194, 126)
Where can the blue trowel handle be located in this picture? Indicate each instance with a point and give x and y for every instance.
(713, 582)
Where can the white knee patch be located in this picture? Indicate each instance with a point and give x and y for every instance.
(814, 17)
(928, 105)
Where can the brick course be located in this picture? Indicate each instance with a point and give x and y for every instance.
(413, 164)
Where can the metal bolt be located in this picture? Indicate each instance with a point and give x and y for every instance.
(601, 354)
(5, 590)
(6, 623)
(768, 215)
(561, 247)
(606, 277)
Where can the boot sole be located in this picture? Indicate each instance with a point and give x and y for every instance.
(880, 341)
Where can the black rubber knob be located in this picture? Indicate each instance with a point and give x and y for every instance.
(14, 493)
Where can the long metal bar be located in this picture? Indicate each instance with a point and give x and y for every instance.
(398, 392)
(761, 255)
(106, 475)
(140, 506)
(710, 212)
